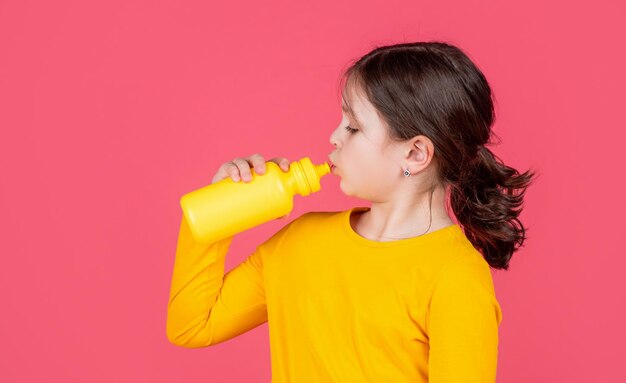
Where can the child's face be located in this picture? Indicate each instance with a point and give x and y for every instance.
(368, 163)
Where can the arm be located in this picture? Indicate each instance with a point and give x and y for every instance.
(205, 306)
(462, 324)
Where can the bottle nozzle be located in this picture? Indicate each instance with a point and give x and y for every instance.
(322, 169)
(309, 175)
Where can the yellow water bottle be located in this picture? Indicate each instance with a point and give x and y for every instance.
(226, 207)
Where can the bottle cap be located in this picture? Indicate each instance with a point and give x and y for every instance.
(313, 173)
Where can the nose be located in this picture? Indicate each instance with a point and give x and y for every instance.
(333, 140)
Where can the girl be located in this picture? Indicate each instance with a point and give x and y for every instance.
(394, 292)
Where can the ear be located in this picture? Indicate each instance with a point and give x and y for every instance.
(419, 153)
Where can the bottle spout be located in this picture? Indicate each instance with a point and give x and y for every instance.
(308, 175)
(322, 169)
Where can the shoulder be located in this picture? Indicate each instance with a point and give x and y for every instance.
(466, 275)
(468, 266)
(316, 219)
(309, 222)
(302, 232)
(464, 292)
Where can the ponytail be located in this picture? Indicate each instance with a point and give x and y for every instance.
(487, 200)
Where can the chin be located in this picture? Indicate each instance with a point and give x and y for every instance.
(343, 188)
(347, 191)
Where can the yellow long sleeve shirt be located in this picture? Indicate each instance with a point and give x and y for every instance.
(344, 308)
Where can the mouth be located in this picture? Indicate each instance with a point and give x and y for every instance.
(332, 166)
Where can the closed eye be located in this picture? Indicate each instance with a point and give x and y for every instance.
(349, 129)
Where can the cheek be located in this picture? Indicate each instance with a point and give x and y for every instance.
(364, 164)
(369, 179)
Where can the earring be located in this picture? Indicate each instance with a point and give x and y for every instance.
(407, 172)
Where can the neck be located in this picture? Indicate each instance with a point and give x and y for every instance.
(406, 219)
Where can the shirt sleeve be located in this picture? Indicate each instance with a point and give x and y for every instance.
(205, 306)
(462, 324)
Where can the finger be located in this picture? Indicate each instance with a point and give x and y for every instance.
(282, 162)
(232, 170)
(258, 163)
(244, 169)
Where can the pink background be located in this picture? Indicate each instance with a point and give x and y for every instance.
(111, 110)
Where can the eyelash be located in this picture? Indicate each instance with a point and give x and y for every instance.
(349, 129)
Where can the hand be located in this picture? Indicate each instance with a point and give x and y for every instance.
(239, 168)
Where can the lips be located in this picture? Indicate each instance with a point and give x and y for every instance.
(332, 166)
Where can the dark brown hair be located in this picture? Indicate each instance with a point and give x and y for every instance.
(434, 89)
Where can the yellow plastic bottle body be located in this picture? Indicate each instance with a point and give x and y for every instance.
(227, 207)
